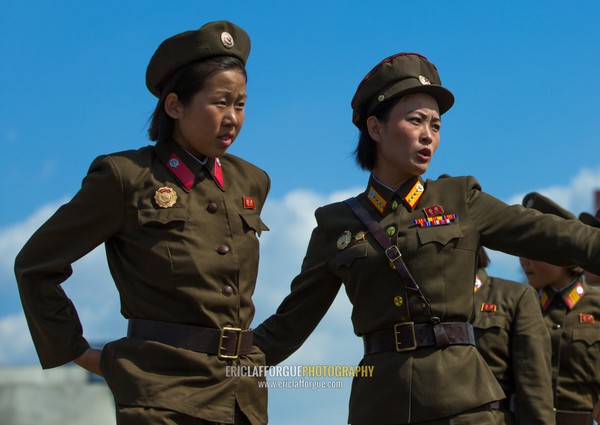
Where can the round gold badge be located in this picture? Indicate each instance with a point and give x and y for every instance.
(165, 197)
(344, 239)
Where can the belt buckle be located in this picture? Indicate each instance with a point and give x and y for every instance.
(413, 346)
(238, 332)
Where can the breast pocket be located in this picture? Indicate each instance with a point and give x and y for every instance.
(253, 222)
(163, 218)
(587, 335)
(491, 330)
(163, 243)
(489, 322)
(347, 256)
(441, 235)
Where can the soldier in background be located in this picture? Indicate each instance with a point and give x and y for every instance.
(512, 338)
(571, 311)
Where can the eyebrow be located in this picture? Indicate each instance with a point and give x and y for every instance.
(423, 114)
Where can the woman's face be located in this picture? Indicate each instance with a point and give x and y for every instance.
(407, 140)
(540, 274)
(212, 120)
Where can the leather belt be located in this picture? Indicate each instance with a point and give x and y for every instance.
(227, 343)
(407, 336)
(568, 417)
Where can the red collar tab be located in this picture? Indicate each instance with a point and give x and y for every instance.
(218, 173)
(181, 171)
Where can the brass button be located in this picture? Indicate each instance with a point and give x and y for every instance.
(398, 301)
(423, 305)
(223, 249)
(212, 208)
(394, 205)
(391, 231)
(227, 290)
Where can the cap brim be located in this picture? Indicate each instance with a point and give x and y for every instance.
(589, 219)
(443, 96)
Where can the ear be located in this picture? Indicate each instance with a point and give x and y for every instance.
(374, 127)
(173, 107)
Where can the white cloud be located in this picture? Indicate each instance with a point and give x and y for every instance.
(13, 238)
(576, 196)
(291, 220)
(17, 347)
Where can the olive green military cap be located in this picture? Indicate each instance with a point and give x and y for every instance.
(219, 38)
(545, 205)
(395, 76)
(589, 219)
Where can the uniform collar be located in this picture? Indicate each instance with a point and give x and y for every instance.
(187, 169)
(381, 197)
(570, 295)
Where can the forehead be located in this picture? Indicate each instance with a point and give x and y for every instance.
(418, 101)
(226, 80)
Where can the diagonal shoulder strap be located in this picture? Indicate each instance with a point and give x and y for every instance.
(392, 252)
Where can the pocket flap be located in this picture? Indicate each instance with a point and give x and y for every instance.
(347, 256)
(254, 222)
(489, 320)
(162, 216)
(440, 234)
(589, 334)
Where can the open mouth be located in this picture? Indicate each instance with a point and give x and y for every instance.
(424, 154)
(226, 138)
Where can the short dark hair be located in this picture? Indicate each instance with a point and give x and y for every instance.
(365, 153)
(185, 83)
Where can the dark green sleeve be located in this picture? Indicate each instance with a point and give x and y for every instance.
(91, 217)
(525, 232)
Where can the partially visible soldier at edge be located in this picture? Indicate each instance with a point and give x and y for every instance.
(571, 311)
(591, 220)
(511, 336)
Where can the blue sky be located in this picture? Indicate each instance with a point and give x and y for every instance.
(524, 75)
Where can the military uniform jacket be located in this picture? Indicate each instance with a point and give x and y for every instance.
(427, 383)
(512, 338)
(194, 262)
(573, 320)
